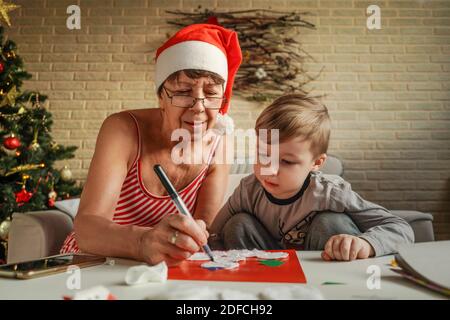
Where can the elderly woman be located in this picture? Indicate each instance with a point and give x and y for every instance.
(124, 210)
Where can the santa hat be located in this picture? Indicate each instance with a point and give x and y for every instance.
(204, 47)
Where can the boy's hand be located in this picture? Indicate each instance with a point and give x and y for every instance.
(345, 247)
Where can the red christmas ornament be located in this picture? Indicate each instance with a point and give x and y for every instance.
(23, 196)
(51, 202)
(213, 20)
(2, 67)
(11, 143)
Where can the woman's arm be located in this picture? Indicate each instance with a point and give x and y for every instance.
(95, 231)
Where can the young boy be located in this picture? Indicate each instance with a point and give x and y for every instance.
(293, 205)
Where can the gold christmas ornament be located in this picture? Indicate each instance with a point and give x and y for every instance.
(4, 229)
(5, 8)
(9, 97)
(66, 174)
(34, 146)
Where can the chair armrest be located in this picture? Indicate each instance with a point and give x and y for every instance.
(420, 222)
(37, 234)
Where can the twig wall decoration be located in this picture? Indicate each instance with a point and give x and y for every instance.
(273, 56)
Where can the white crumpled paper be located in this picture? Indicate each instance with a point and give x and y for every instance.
(144, 273)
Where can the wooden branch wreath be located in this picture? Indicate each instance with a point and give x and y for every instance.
(272, 55)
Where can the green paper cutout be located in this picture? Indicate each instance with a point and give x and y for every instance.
(332, 283)
(271, 263)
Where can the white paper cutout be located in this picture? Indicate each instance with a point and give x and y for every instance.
(223, 263)
(144, 274)
(238, 255)
(272, 255)
(229, 259)
(202, 256)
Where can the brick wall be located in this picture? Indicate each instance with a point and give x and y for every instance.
(387, 90)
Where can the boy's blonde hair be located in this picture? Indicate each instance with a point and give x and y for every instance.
(297, 115)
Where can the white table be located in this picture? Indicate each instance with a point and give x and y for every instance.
(353, 274)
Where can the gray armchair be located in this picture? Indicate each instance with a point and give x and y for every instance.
(37, 234)
(41, 233)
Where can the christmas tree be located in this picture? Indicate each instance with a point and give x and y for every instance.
(28, 179)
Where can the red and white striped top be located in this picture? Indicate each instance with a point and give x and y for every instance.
(137, 206)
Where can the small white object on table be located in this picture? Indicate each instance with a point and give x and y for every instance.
(354, 276)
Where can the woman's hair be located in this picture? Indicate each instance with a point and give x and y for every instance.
(193, 74)
(297, 115)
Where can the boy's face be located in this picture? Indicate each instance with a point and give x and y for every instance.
(284, 180)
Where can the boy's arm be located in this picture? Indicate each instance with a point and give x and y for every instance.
(381, 229)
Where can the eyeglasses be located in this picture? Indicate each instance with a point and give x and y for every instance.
(185, 101)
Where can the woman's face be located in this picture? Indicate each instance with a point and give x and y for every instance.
(197, 117)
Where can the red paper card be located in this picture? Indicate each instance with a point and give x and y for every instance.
(249, 270)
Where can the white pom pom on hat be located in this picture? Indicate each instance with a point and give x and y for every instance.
(224, 123)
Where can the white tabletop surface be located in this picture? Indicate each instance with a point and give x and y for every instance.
(353, 274)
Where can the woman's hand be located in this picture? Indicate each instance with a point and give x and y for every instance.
(346, 248)
(173, 239)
